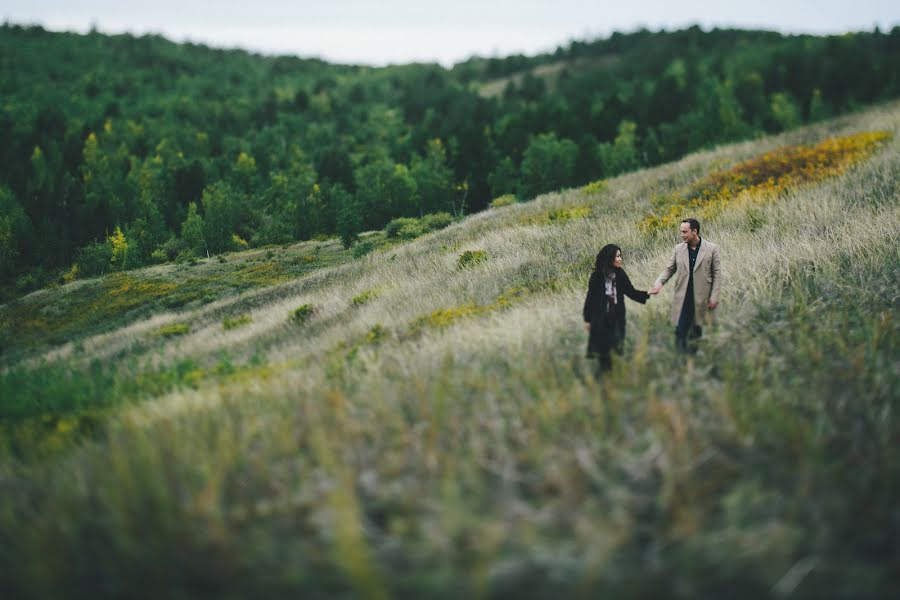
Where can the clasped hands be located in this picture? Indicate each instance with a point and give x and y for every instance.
(711, 305)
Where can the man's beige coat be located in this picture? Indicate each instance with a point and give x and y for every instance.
(707, 279)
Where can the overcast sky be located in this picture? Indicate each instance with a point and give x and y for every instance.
(399, 31)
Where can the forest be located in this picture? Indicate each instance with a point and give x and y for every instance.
(123, 151)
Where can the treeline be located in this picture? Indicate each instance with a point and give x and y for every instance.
(122, 151)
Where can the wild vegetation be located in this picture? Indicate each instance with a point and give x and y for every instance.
(121, 151)
(409, 422)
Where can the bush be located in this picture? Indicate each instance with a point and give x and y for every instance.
(172, 247)
(504, 200)
(175, 329)
(94, 259)
(71, 275)
(302, 314)
(405, 228)
(594, 187)
(158, 256)
(471, 258)
(235, 322)
(436, 221)
(364, 297)
(363, 248)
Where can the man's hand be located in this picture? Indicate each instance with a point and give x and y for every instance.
(587, 326)
(655, 289)
(712, 304)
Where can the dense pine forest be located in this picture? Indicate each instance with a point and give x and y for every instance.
(122, 151)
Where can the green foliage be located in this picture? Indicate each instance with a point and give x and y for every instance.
(360, 249)
(547, 165)
(365, 296)
(785, 110)
(504, 200)
(470, 258)
(229, 323)
(504, 179)
(94, 259)
(192, 231)
(818, 107)
(119, 245)
(225, 213)
(595, 187)
(15, 232)
(173, 330)
(376, 335)
(383, 189)
(622, 154)
(349, 216)
(302, 314)
(405, 228)
(433, 180)
(133, 130)
(435, 221)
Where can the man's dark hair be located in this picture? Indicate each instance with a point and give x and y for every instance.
(693, 224)
(605, 259)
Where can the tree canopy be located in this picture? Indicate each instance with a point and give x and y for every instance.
(169, 150)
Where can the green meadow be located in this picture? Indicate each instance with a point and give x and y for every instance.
(414, 416)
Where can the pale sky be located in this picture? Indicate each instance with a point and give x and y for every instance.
(401, 31)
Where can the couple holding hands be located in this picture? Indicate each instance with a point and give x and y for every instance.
(695, 264)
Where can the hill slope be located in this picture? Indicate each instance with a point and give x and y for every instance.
(412, 422)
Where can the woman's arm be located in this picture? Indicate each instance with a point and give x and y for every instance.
(589, 300)
(636, 295)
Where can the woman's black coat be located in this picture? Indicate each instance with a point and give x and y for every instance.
(608, 328)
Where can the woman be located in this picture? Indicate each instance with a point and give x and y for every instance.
(604, 307)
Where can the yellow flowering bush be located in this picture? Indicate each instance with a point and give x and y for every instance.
(594, 187)
(764, 177)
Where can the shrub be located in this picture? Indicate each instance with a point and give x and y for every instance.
(238, 243)
(594, 187)
(436, 221)
(557, 215)
(405, 228)
(471, 258)
(376, 335)
(302, 314)
(94, 259)
(235, 322)
(71, 275)
(363, 248)
(172, 330)
(365, 296)
(504, 200)
(764, 177)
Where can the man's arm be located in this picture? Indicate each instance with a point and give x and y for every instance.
(716, 279)
(666, 274)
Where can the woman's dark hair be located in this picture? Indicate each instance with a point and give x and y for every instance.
(605, 259)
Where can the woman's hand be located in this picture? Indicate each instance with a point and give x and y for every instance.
(587, 327)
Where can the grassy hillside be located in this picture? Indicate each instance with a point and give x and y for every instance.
(420, 421)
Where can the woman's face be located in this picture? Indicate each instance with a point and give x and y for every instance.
(617, 262)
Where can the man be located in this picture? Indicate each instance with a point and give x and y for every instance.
(696, 263)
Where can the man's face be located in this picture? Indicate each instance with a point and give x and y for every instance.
(688, 235)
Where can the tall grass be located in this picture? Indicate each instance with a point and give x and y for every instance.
(482, 457)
